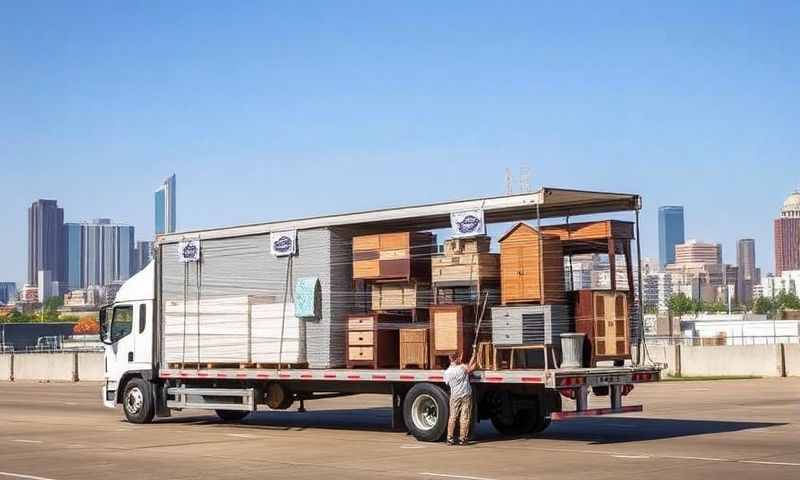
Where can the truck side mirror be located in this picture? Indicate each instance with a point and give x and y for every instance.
(105, 326)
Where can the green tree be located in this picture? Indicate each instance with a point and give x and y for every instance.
(763, 306)
(680, 304)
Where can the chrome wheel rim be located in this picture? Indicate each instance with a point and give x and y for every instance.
(134, 401)
(424, 412)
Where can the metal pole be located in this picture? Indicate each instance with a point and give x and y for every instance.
(639, 297)
(541, 255)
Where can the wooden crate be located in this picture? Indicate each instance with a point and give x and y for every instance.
(604, 317)
(452, 331)
(465, 267)
(529, 274)
(414, 347)
(457, 246)
(401, 296)
(393, 256)
(373, 340)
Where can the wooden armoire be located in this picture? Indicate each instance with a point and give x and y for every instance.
(531, 267)
(604, 316)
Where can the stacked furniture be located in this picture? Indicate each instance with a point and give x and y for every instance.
(531, 267)
(395, 268)
(414, 347)
(452, 331)
(603, 315)
(465, 271)
(521, 329)
(373, 340)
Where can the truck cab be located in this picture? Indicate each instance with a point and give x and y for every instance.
(127, 330)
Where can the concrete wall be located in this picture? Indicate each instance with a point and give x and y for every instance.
(756, 360)
(91, 366)
(663, 354)
(45, 366)
(6, 366)
(791, 355)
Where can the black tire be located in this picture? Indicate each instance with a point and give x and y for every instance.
(426, 409)
(541, 424)
(231, 415)
(523, 421)
(138, 402)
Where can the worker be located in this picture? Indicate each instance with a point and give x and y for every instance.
(457, 378)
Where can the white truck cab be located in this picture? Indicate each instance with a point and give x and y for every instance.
(127, 330)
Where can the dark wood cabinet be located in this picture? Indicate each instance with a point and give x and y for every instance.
(373, 340)
(452, 330)
(604, 316)
(393, 256)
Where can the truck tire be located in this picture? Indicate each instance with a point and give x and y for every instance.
(231, 415)
(541, 424)
(426, 409)
(522, 422)
(137, 401)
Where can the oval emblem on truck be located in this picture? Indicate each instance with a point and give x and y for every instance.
(469, 224)
(282, 244)
(190, 251)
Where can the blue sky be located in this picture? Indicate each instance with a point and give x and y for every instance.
(269, 110)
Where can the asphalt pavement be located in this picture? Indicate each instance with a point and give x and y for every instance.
(732, 429)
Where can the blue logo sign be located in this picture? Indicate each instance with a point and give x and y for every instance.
(469, 224)
(190, 251)
(282, 244)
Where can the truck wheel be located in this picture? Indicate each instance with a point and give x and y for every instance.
(137, 401)
(426, 409)
(231, 415)
(523, 421)
(541, 424)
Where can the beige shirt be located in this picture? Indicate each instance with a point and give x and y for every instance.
(457, 378)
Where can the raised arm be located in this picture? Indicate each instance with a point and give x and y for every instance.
(473, 363)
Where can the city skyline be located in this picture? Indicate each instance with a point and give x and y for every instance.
(669, 105)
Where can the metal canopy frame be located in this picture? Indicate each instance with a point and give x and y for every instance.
(546, 203)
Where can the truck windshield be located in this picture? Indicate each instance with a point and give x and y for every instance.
(122, 323)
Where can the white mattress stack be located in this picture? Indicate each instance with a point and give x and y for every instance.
(237, 329)
(265, 340)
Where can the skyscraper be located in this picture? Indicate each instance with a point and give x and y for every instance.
(142, 254)
(165, 206)
(99, 253)
(670, 233)
(8, 292)
(787, 235)
(45, 240)
(748, 273)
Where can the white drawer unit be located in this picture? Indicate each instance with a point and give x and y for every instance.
(530, 324)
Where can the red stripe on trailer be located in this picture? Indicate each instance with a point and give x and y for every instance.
(531, 379)
(241, 375)
(262, 375)
(594, 412)
(305, 375)
(494, 379)
(222, 375)
(284, 375)
(435, 377)
(329, 375)
(408, 377)
(202, 374)
(353, 377)
(379, 377)
(183, 374)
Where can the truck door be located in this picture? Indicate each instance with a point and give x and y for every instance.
(143, 334)
(121, 351)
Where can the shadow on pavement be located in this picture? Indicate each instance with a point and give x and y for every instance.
(592, 430)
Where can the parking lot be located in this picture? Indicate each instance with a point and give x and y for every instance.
(710, 429)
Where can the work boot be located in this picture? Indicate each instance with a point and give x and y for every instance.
(450, 442)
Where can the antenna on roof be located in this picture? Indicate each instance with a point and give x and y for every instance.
(524, 179)
(509, 182)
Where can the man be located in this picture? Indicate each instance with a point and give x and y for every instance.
(457, 378)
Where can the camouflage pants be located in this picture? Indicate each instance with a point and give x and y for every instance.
(461, 414)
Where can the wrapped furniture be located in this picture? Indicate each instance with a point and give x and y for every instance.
(452, 331)
(531, 267)
(393, 256)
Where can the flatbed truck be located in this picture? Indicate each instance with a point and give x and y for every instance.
(518, 401)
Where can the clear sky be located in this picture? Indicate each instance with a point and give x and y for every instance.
(269, 110)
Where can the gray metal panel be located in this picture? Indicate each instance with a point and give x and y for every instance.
(530, 324)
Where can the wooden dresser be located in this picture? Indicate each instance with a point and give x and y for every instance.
(401, 295)
(373, 340)
(414, 348)
(604, 317)
(452, 330)
(393, 256)
(530, 273)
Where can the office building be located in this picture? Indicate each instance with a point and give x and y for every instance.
(748, 273)
(47, 285)
(670, 232)
(142, 254)
(98, 253)
(8, 292)
(45, 240)
(165, 206)
(787, 235)
(694, 251)
(788, 281)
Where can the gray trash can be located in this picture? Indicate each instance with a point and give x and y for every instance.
(572, 350)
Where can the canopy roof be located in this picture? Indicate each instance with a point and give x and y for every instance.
(551, 202)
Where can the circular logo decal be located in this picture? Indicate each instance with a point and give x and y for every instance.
(468, 224)
(283, 244)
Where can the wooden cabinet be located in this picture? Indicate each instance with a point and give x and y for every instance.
(401, 296)
(393, 256)
(458, 246)
(452, 331)
(531, 267)
(414, 347)
(465, 267)
(530, 324)
(373, 340)
(604, 317)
